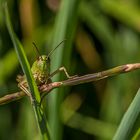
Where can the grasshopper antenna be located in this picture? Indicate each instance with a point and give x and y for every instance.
(37, 50)
(52, 51)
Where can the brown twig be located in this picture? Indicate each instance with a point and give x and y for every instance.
(18, 95)
(101, 75)
(11, 97)
(74, 81)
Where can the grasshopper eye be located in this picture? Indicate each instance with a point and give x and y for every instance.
(48, 59)
(41, 58)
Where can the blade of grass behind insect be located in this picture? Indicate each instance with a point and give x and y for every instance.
(100, 26)
(131, 120)
(123, 12)
(98, 23)
(64, 28)
(8, 70)
(32, 86)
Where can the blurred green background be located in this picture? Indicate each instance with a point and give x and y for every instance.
(100, 35)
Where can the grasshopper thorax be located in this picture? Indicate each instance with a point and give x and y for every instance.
(41, 69)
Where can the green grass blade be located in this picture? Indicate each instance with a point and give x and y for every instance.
(130, 121)
(136, 135)
(64, 29)
(32, 85)
(122, 12)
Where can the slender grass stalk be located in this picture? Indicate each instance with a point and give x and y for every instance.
(98, 24)
(122, 12)
(130, 120)
(75, 81)
(101, 75)
(91, 126)
(64, 27)
(137, 135)
(35, 96)
(11, 97)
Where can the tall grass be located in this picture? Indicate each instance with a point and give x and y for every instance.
(34, 93)
(99, 35)
(64, 29)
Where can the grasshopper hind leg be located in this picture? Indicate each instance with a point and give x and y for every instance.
(22, 84)
(25, 90)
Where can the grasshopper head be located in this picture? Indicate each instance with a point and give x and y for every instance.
(41, 69)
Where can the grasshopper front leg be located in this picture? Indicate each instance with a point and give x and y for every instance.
(55, 72)
(59, 70)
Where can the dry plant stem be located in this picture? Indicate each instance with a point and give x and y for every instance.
(101, 75)
(74, 81)
(11, 97)
(18, 95)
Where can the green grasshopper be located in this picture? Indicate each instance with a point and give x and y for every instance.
(41, 72)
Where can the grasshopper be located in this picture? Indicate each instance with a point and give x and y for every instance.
(41, 72)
